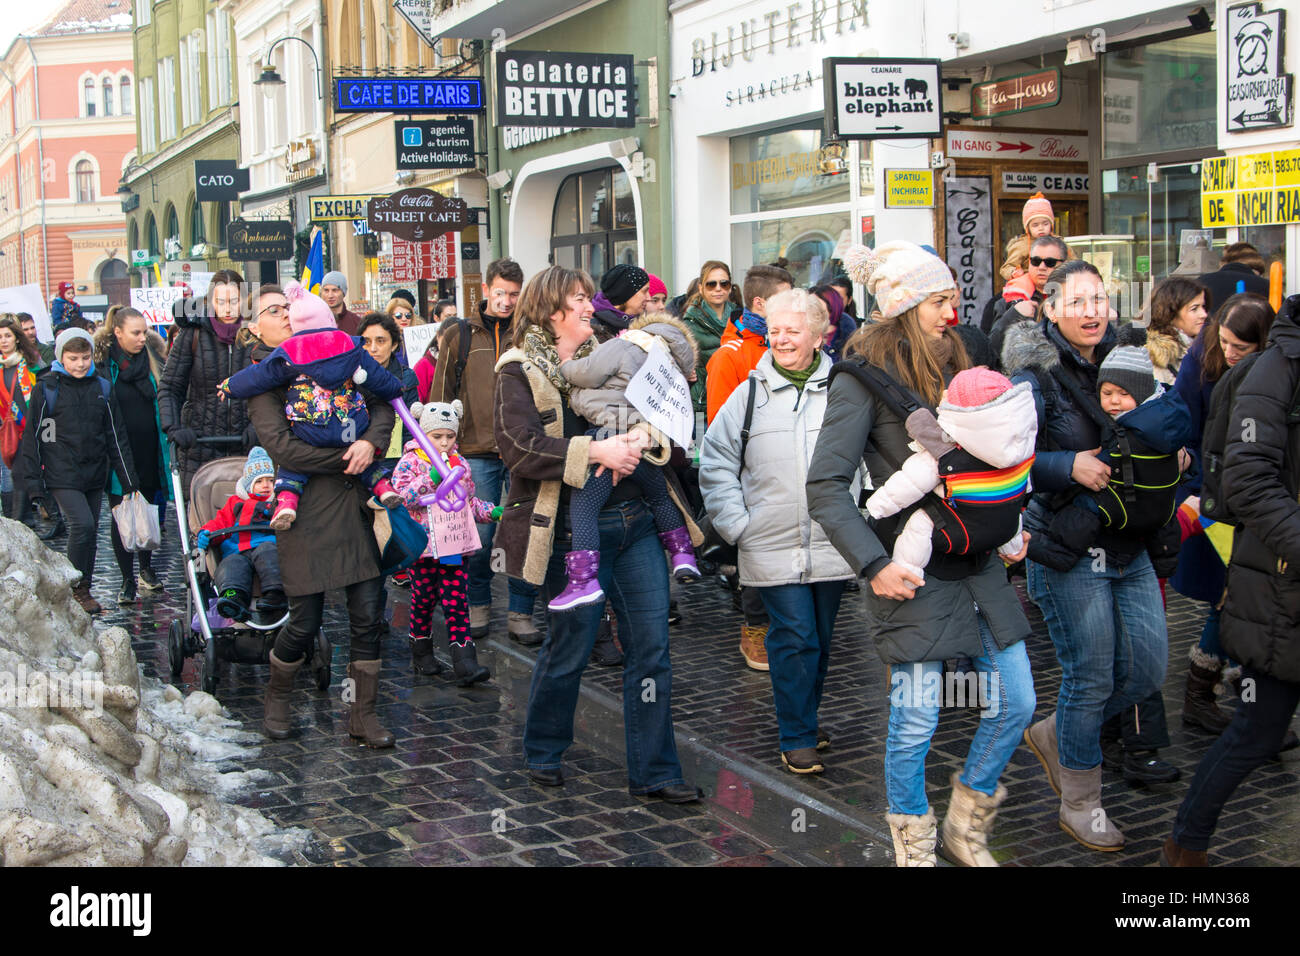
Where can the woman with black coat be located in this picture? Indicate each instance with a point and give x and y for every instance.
(204, 352)
(1261, 609)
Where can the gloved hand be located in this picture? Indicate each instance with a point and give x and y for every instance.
(497, 512)
(202, 540)
(185, 438)
(250, 436)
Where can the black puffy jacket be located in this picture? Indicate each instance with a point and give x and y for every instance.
(1261, 479)
(187, 394)
(75, 443)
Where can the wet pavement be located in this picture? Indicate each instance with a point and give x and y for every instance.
(453, 791)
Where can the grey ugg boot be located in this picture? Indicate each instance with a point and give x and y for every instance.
(1041, 738)
(1082, 815)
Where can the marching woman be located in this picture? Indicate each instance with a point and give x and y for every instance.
(19, 360)
(963, 605)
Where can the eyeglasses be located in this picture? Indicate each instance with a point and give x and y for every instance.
(1040, 261)
(718, 284)
(274, 310)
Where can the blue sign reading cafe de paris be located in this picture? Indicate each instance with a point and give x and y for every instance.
(408, 94)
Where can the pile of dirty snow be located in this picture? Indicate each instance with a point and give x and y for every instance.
(99, 766)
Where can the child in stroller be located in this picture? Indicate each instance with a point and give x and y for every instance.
(246, 553)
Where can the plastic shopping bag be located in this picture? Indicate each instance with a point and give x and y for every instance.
(137, 523)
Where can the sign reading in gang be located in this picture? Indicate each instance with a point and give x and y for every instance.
(868, 98)
(417, 214)
(565, 89)
(218, 179)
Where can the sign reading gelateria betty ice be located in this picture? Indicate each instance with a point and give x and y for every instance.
(565, 89)
(417, 214)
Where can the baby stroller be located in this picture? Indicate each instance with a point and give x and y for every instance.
(221, 640)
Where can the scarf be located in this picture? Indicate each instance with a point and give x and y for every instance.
(133, 370)
(12, 359)
(800, 377)
(539, 346)
(224, 331)
(755, 323)
(619, 320)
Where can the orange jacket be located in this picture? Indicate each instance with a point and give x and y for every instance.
(736, 357)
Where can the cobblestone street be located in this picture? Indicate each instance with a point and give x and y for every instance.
(453, 790)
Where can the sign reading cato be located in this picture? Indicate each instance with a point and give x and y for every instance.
(1257, 189)
(216, 180)
(565, 89)
(417, 214)
(869, 98)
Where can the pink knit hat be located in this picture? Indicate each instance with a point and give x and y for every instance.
(976, 386)
(307, 311)
(656, 286)
(1036, 207)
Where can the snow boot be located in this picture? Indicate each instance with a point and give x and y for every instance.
(914, 838)
(607, 652)
(233, 604)
(464, 661)
(1082, 815)
(967, 825)
(521, 629)
(583, 587)
(286, 510)
(363, 723)
(422, 659)
(1200, 705)
(275, 704)
(1041, 738)
(384, 491)
(678, 544)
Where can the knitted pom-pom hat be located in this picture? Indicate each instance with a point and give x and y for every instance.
(258, 466)
(307, 312)
(976, 386)
(435, 415)
(1036, 207)
(900, 274)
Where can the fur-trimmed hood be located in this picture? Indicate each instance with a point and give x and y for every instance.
(648, 322)
(1026, 346)
(154, 347)
(1166, 351)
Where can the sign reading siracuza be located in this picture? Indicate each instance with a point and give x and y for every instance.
(869, 98)
(417, 214)
(565, 89)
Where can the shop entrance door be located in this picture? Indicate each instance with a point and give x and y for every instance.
(1173, 205)
(1071, 218)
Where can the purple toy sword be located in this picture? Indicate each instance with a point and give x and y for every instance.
(450, 493)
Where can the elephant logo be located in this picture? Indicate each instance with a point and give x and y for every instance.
(914, 88)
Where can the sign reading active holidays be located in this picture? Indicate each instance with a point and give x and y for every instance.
(868, 98)
(435, 144)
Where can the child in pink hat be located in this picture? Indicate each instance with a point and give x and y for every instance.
(975, 457)
(322, 367)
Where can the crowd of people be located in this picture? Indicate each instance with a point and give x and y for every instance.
(922, 463)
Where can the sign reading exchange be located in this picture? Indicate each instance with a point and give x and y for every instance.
(408, 94)
(417, 214)
(565, 89)
(259, 240)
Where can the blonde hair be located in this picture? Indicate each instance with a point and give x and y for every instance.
(805, 303)
(395, 304)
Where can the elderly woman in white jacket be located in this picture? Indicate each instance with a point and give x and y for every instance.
(760, 505)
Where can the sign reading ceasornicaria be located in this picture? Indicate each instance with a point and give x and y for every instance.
(565, 89)
(869, 98)
(1259, 93)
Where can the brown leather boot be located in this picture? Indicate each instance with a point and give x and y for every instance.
(88, 604)
(275, 704)
(753, 646)
(1171, 854)
(363, 723)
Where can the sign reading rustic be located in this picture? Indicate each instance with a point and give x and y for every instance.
(565, 89)
(868, 98)
(996, 144)
(435, 144)
(1259, 92)
(259, 240)
(1016, 94)
(417, 214)
(217, 180)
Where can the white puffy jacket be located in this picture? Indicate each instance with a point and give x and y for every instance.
(764, 508)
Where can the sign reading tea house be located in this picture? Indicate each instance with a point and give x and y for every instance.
(565, 89)
(417, 214)
(1016, 94)
(869, 98)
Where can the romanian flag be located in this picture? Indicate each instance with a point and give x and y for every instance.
(314, 270)
(1220, 536)
(990, 487)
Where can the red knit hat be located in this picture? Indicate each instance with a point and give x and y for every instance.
(1035, 207)
(64, 288)
(656, 286)
(976, 386)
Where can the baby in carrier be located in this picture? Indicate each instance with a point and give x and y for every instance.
(970, 471)
(600, 382)
(1144, 426)
(322, 367)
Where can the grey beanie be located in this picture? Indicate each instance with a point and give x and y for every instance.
(335, 278)
(1129, 367)
(67, 335)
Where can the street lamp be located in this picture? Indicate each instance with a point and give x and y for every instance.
(124, 190)
(270, 81)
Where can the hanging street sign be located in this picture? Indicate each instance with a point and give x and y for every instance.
(216, 180)
(408, 94)
(339, 208)
(417, 214)
(419, 14)
(1016, 94)
(868, 98)
(565, 89)
(435, 144)
(987, 143)
(261, 240)
(1035, 182)
(1259, 92)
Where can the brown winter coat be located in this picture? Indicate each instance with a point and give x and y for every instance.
(332, 542)
(476, 388)
(1166, 353)
(529, 424)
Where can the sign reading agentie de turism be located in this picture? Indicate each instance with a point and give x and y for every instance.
(869, 98)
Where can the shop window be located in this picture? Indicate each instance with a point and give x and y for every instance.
(1160, 97)
(594, 222)
(774, 171)
(807, 243)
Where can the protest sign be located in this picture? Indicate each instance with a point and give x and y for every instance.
(416, 339)
(156, 303)
(659, 392)
(453, 532)
(27, 298)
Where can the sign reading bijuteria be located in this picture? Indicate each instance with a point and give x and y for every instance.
(869, 98)
(565, 89)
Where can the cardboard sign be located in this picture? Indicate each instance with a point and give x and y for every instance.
(968, 219)
(27, 298)
(659, 392)
(416, 339)
(156, 303)
(452, 532)
(868, 98)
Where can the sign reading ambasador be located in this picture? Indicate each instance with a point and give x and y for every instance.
(259, 240)
(1016, 94)
(217, 180)
(565, 89)
(417, 214)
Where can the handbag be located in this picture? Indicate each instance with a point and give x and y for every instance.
(716, 548)
(137, 523)
(11, 433)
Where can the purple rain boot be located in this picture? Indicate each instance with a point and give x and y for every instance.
(678, 543)
(583, 587)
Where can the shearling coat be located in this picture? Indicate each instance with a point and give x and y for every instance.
(1166, 353)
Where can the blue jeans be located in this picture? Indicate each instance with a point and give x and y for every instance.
(1108, 627)
(634, 576)
(801, 618)
(492, 483)
(1006, 693)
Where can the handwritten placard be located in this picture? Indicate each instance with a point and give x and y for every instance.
(416, 339)
(156, 303)
(659, 392)
(453, 532)
(968, 215)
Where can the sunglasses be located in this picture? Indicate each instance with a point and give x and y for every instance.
(716, 284)
(401, 315)
(1040, 261)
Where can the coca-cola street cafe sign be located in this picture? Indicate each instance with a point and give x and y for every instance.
(416, 214)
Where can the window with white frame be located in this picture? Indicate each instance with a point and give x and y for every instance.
(219, 78)
(124, 96)
(190, 79)
(85, 181)
(143, 12)
(148, 117)
(166, 104)
(106, 87)
(89, 96)
(24, 104)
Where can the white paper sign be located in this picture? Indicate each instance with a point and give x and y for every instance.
(870, 98)
(659, 392)
(156, 303)
(416, 339)
(27, 298)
